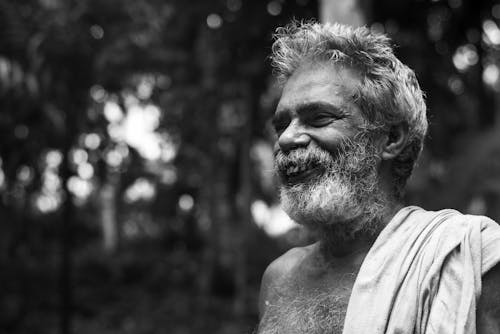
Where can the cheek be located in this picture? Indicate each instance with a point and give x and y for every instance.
(331, 139)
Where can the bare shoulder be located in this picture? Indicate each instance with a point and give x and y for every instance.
(489, 304)
(276, 274)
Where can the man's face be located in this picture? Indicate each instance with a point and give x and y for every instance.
(317, 106)
(326, 164)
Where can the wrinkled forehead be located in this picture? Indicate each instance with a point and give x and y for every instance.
(312, 82)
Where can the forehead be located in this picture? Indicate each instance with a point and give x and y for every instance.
(320, 82)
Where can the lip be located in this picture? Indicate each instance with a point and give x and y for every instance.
(302, 176)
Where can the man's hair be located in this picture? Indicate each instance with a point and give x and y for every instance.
(389, 93)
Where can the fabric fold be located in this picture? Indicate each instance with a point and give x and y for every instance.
(423, 274)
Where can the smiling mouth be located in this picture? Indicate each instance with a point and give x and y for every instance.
(295, 174)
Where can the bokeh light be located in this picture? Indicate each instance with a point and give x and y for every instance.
(491, 74)
(2, 179)
(92, 141)
(168, 175)
(138, 128)
(85, 171)
(25, 174)
(21, 131)
(186, 202)
(114, 158)
(234, 5)
(142, 189)
(47, 203)
(274, 8)
(51, 182)
(97, 31)
(79, 187)
(214, 21)
(113, 112)
(271, 218)
(98, 93)
(465, 57)
(145, 87)
(456, 85)
(491, 33)
(53, 159)
(79, 156)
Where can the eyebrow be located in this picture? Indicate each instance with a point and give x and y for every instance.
(305, 108)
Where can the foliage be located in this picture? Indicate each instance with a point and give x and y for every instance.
(453, 47)
(133, 139)
(73, 75)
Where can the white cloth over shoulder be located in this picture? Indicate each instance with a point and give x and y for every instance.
(423, 274)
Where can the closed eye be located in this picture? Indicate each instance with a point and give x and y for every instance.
(319, 114)
(320, 119)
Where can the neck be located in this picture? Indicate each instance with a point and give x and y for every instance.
(343, 239)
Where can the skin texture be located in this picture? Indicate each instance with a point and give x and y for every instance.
(305, 267)
(314, 110)
(317, 108)
(488, 310)
(304, 274)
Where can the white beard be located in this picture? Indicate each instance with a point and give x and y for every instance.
(345, 198)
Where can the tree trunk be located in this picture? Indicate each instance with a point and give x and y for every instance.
(349, 12)
(66, 221)
(109, 221)
(210, 196)
(244, 214)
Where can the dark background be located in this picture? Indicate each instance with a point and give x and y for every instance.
(135, 152)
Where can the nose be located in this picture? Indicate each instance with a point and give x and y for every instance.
(294, 136)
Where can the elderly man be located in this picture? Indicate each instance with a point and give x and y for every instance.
(350, 124)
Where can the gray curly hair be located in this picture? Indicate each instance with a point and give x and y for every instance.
(389, 92)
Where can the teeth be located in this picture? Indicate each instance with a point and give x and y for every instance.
(295, 169)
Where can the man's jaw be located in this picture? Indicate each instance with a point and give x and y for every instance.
(323, 200)
(338, 197)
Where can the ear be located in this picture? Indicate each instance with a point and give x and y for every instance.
(395, 141)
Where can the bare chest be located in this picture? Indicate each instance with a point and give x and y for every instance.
(310, 303)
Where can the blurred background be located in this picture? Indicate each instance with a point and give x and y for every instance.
(136, 184)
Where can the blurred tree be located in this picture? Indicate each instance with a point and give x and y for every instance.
(352, 12)
(77, 72)
(128, 120)
(451, 46)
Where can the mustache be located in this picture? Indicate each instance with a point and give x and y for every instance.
(361, 148)
(313, 156)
